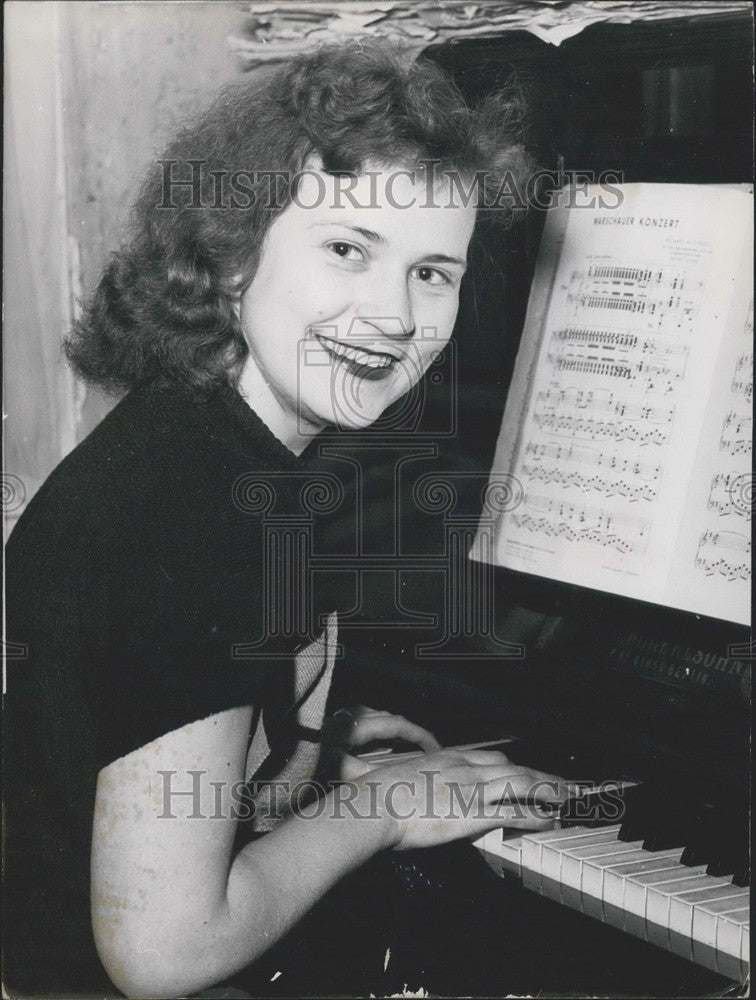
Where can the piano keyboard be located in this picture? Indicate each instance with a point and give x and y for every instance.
(666, 874)
(649, 894)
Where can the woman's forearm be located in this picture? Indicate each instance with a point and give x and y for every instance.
(272, 883)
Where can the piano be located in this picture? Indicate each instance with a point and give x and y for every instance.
(658, 862)
(650, 899)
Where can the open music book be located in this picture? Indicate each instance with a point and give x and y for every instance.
(624, 458)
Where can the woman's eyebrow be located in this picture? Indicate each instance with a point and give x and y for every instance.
(373, 237)
(442, 258)
(368, 234)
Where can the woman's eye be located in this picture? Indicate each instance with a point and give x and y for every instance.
(346, 251)
(431, 275)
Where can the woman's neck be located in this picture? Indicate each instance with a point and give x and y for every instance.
(280, 416)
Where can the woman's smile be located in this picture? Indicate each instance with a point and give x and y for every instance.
(361, 358)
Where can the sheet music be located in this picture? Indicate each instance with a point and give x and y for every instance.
(607, 426)
(713, 552)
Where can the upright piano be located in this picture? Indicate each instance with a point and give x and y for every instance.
(643, 888)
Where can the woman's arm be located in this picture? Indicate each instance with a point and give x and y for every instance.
(173, 911)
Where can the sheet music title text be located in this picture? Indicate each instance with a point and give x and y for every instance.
(649, 221)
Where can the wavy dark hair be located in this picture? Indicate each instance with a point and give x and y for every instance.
(164, 308)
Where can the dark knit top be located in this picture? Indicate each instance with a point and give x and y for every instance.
(132, 574)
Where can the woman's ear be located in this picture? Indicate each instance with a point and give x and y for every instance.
(236, 294)
(313, 162)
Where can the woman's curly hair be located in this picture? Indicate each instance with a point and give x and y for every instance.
(164, 308)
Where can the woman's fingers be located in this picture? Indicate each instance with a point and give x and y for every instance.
(381, 726)
(358, 725)
(524, 783)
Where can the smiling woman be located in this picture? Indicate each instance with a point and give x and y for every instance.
(146, 759)
(348, 295)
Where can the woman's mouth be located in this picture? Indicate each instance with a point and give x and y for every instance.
(362, 362)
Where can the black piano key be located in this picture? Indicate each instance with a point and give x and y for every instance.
(649, 818)
(603, 806)
(742, 876)
(703, 838)
(589, 761)
(668, 824)
(731, 846)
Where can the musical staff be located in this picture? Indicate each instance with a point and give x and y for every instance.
(725, 496)
(628, 421)
(590, 456)
(660, 295)
(742, 380)
(726, 554)
(617, 354)
(581, 523)
(737, 434)
(604, 401)
(586, 484)
(588, 429)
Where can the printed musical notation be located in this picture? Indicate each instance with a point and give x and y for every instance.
(603, 401)
(622, 355)
(742, 380)
(737, 434)
(589, 429)
(580, 523)
(726, 496)
(590, 456)
(654, 296)
(590, 484)
(627, 421)
(724, 553)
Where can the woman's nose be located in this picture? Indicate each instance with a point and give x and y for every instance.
(387, 307)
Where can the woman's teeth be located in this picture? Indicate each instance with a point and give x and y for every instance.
(359, 357)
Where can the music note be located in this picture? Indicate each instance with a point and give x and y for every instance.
(656, 296)
(582, 523)
(714, 558)
(742, 379)
(725, 496)
(737, 434)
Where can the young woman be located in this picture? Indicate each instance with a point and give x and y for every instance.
(294, 263)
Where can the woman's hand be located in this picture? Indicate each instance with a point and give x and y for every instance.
(450, 794)
(349, 729)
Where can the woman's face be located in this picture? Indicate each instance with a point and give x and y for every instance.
(355, 294)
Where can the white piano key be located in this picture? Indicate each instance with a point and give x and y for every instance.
(532, 844)
(552, 851)
(638, 885)
(659, 898)
(683, 910)
(704, 922)
(737, 917)
(745, 946)
(594, 870)
(493, 841)
(730, 934)
(572, 865)
(616, 879)
(593, 862)
(675, 924)
(506, 846)
(572, 862)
